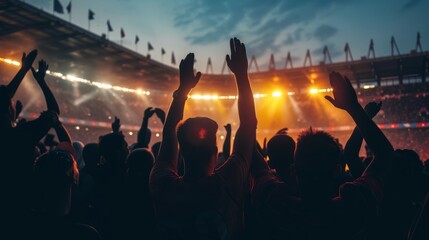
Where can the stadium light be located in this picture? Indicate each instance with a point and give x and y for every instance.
(73, 78)
(276, 94)
(314, 91)
(10, 61)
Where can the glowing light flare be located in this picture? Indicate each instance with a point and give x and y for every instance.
(73, 78)
(276, 94)
(368, 86)
(321, 90)
(10, 61)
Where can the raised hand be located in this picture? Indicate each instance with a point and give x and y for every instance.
(283, 131)
(372, 108)
(41, 72)
(344, 95)
(116, 125)
(188, 79)
(228, 128)
(27, 60)
(237, 62)
(160, 114)
(148, 113)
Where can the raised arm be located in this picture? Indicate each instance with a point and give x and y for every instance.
(169, 146)
(246, 133)
(62, 133)
(353, 145)
(142, 136)
(160, 114)
(26, 62)
(39, 75)
(345, 98)
(227, 143)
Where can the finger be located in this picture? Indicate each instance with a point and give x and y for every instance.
(24, 56)
(331, 100)
(198, 76)
(228, 61)
(237, 44)
(243, 48)
(231, 45)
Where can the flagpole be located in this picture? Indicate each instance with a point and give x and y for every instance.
(70, 13)
(89, 24)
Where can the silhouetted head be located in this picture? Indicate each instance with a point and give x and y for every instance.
(317, 162)
(55, 173)
(140, 162)
(280, 150)
(197, 141)
(114, 149)
(91, 155)
(7, 108)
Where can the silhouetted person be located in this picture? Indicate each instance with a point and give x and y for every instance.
(55, 173)
(204, 203)
(139, 217)
(17, 144)
(314, 214)
(280, 150)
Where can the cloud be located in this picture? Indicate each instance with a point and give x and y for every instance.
(410, 4)
(324, 32)
(261, 25)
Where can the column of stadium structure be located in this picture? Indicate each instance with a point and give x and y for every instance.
(349, 57)
(308, 58)
(224, 66)
(394, 47)
(272, 63)
(373, 68)
(253, 61)
(326, 55)
(209, 66)
(348, 53)
(419, 49)
(288, 61)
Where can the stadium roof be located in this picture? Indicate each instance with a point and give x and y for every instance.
(73, 50)
(68, 47)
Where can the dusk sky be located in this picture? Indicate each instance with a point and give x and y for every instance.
(271, 26)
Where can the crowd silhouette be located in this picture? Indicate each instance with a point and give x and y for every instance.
(185, 188)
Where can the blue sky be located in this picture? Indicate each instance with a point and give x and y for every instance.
(270, 26)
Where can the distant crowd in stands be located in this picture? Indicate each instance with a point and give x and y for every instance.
(185, 187)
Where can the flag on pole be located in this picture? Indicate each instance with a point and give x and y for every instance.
(69, 6)
(149, 46)
(173, 59)
(109, 26)
(162, 51)
(91, 14)
(122, 33)
(137, 40)
(58, 7)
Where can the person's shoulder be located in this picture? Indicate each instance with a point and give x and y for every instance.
(363, 195)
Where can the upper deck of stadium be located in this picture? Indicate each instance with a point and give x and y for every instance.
(80, 52)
